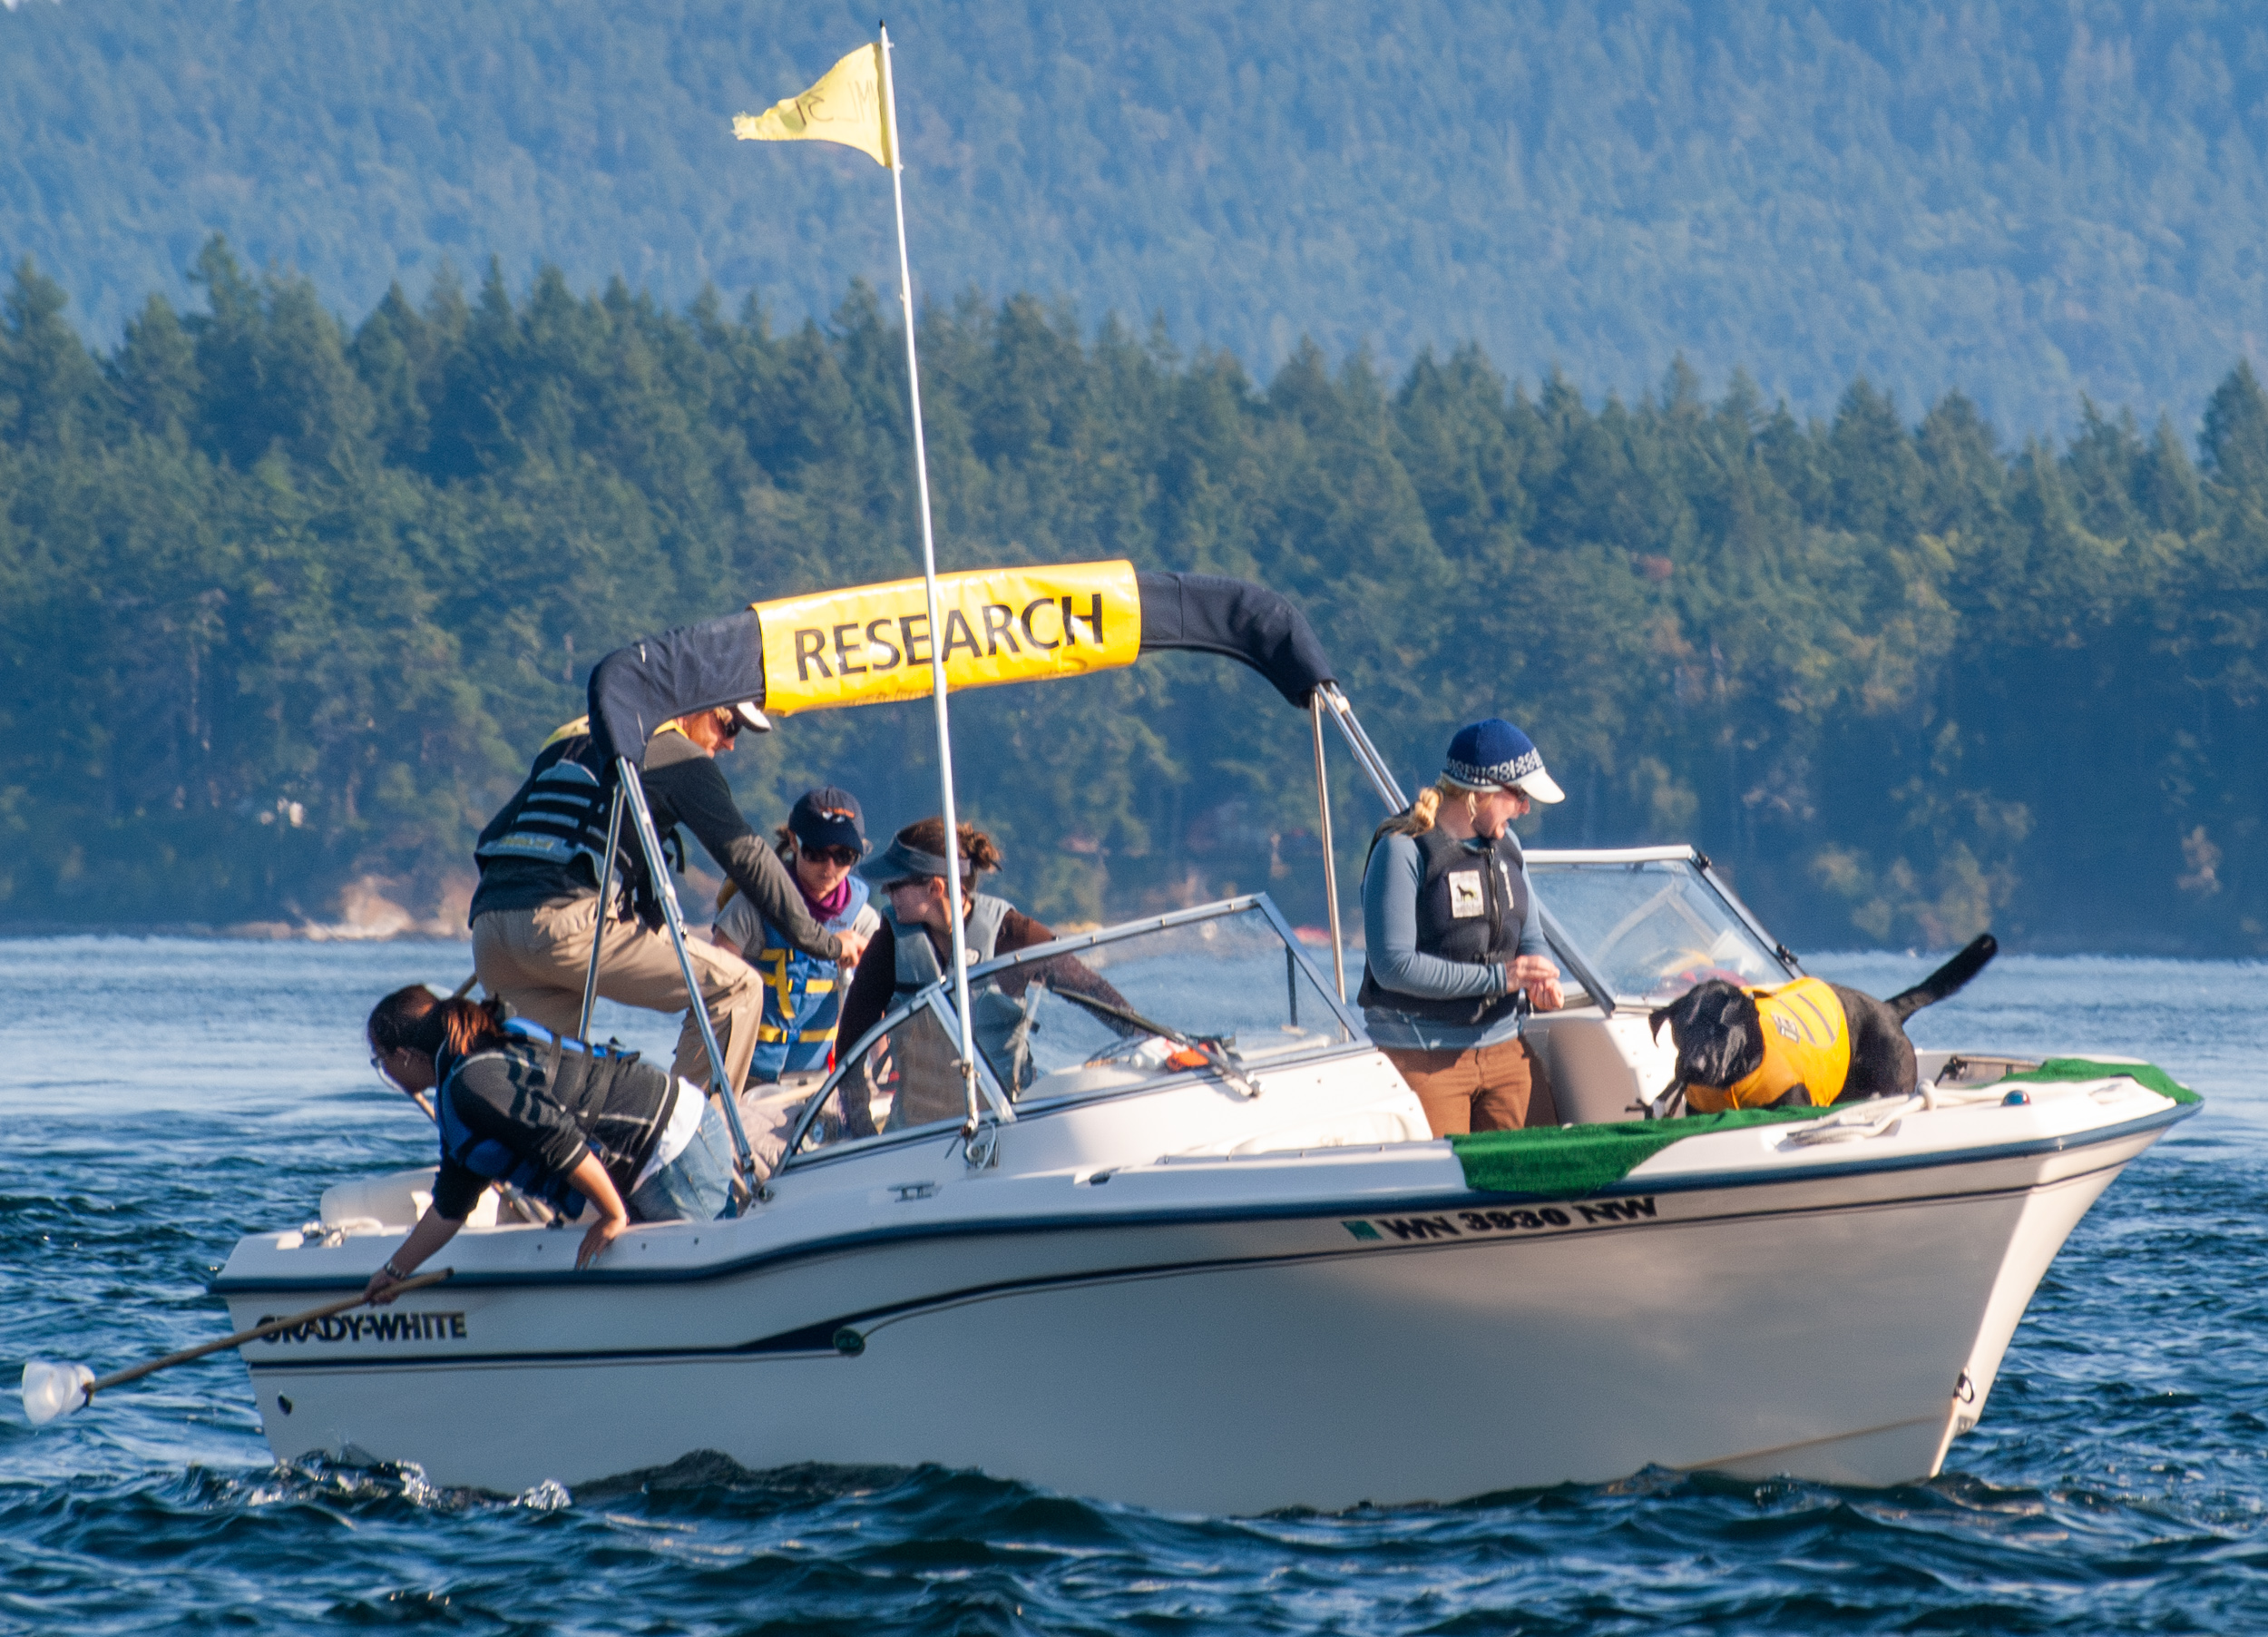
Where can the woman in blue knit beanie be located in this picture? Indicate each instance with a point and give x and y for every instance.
(1454, 941)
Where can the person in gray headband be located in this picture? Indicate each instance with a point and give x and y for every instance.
(913, 948)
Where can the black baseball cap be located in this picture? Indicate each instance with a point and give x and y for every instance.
(828, 817)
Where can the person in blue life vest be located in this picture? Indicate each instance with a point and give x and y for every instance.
(823, 838)
(821, 844)
(572, 1125)
(1454, 940)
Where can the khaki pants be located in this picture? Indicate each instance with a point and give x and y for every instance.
(1498, 1088)
(534, 961)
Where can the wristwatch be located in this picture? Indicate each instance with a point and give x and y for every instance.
(393, 1272)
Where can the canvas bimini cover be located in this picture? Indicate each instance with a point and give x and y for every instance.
(871, 643)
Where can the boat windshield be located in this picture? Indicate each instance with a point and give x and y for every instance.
(1226, 991)
(1221, 992)
(1652, 928)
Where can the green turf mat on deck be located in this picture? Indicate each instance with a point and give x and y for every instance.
(2088, 1068)
(1564, 1161)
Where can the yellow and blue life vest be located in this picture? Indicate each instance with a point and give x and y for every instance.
(1806, 1043)
(802, 998)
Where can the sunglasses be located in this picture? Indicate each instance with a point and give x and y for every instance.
(842, 857)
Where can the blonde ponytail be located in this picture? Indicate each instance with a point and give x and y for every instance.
(1425, 811)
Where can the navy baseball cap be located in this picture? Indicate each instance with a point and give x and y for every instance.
(828, 817)
(1493, 755)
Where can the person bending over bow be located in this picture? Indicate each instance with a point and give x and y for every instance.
(1453, 940)
(557, 1118)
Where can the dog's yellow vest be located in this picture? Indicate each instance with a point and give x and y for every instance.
(1806, 1043)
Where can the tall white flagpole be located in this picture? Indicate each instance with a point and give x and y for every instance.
(929, 577)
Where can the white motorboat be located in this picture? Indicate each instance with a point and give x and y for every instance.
(1194, 1249)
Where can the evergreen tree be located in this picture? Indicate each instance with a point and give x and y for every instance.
(284, 608)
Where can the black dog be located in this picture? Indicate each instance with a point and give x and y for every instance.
(1719, 1034)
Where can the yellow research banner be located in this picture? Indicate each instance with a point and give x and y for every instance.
(845, 106)
(872, 643)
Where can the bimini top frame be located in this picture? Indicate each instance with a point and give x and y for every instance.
(872, 643)
(875, 643)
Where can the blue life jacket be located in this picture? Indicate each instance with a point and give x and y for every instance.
(485, 1156)
(802, 998)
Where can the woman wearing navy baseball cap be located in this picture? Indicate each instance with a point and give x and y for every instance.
(1454, 938)
(821, 844)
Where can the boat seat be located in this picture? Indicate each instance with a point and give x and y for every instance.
(1357, 1128)
(392, 1203)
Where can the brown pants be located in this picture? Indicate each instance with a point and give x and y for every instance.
(534, 961)
(1498, 1088)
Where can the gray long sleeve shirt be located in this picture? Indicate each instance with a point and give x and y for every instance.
(1390, 896)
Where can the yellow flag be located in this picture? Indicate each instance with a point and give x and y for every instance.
(845, 106)
(871, 643)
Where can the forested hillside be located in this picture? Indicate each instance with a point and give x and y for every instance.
(286, 606)
(2020, 202)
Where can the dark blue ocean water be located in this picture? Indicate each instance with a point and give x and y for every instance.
(160, 1097)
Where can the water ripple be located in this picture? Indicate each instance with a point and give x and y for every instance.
(2119, 1482)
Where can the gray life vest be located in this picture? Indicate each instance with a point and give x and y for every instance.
(918, 966)
(994, 1016)
(1471, 906)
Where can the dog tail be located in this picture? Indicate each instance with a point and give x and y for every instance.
(1948, 979)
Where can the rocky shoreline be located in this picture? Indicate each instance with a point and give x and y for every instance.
(312, 932)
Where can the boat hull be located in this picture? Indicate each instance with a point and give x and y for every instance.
(1386, 1348)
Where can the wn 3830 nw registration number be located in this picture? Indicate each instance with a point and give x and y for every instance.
(1466, 1224)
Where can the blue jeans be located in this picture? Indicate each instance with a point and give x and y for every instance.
(696, 1185)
